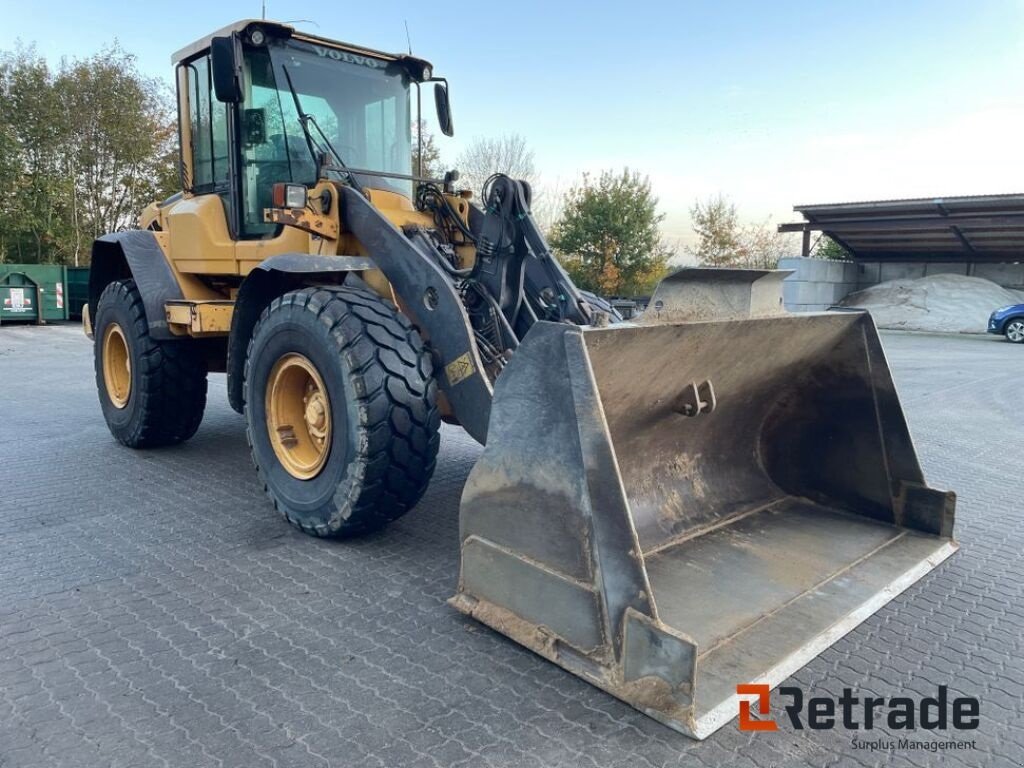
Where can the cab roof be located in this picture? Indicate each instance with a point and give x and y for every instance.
(275, 27)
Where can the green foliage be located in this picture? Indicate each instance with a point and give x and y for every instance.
(31, 221)
(82, 150)
(828, 248)
(608, 235)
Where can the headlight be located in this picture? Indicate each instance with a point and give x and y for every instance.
(1003, 309)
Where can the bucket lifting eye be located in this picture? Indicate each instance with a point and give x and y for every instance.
(695, 399)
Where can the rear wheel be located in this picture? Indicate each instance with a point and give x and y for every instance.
(341, 413)
(152, 393)
(1015, 330)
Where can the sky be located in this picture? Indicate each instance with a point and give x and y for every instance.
(771, 104)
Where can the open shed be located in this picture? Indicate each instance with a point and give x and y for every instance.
(972, 228)
(976, 236)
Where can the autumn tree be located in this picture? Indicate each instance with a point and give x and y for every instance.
(608, 235)
(508, 154)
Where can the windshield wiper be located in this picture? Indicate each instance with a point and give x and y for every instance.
(311, 143)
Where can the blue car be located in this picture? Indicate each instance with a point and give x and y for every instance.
(1008, 321)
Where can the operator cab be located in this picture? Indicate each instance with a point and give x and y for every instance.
(260, 104)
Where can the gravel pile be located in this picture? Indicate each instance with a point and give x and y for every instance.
(939, 303)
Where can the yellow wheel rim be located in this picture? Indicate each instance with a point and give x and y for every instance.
(117, 366)
(298, 416)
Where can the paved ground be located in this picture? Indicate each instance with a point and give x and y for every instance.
(154, 611)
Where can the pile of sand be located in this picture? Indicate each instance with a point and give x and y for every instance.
(940, 303)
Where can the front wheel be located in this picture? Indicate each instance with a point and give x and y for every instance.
(1015, 330)
(341, 412)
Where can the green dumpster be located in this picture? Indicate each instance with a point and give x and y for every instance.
(33, 293)
(77, 291)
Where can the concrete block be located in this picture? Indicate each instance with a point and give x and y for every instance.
(807, 293)
(868, 273)
(791, 262)
(825, 293)
(900, 270)
(836, 271)
(805, 269)
(945, 268)
(1006, 275)
(841, 290)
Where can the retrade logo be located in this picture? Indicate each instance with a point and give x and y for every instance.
(854, 713)
(763, 692)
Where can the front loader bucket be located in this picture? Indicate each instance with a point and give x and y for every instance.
(671, 510)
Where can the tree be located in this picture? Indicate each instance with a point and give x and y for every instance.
(762, 245)
(433, 168)
(827, 248)
(608, 235)
(120, 158)
(87, 147)
(717, 227)
(506, 154)
(32, 221)
(724, 243)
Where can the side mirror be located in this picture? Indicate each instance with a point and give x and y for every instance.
(444, 108)
(227, 85)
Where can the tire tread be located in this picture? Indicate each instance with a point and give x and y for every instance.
(171, 383)
(392, 376)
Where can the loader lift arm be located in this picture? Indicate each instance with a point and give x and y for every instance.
(514, 262)
(475, 317)
(514, 280)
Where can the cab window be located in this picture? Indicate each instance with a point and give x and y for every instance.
(209, 129)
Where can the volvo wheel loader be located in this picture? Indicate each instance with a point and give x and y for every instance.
(705, 497)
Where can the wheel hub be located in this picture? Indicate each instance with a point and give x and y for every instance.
(117, 366)
(298, 416)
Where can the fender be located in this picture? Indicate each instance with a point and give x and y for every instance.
(272, 278)
(135, 253)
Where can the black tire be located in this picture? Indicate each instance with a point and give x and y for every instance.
(382, 400)
(168, 378)
(1014, 330)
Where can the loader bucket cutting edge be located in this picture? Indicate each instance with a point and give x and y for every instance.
(691, 506)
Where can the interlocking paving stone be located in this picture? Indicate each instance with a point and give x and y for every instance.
(155, 610)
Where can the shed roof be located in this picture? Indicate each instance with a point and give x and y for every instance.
(968, 228)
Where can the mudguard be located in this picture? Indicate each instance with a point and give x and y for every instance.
(272, 278)
(135, 253)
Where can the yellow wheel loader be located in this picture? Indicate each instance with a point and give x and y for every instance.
(705, 497)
